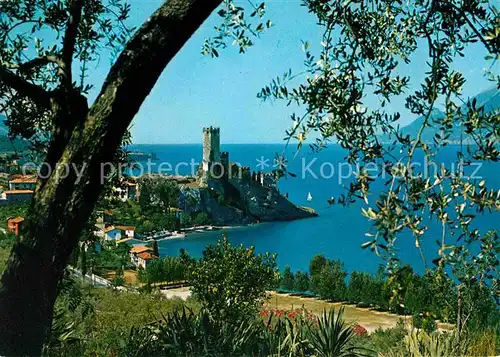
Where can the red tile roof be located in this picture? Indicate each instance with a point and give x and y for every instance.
(146, 255)
(24, 179)
(139, 249)
(126, 228)
(16, 220)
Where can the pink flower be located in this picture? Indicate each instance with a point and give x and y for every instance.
(360, 330)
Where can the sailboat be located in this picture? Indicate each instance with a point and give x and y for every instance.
(309, 197)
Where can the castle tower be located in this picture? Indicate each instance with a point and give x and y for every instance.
(224, 160)
(211, 147)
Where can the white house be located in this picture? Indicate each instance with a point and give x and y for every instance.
(127, 231)
(112, 233)
(127, 191)
(135, 251)
(144, 258)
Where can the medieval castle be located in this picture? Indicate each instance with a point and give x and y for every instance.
(216, 164)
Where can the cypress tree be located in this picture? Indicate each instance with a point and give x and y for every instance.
(83, 260)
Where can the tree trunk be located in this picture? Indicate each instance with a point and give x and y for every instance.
(62, 205)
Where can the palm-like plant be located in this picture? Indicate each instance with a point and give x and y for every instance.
(423, 344)
(333, 337)
(285, 338)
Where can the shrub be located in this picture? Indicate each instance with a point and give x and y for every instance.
(333, 336)
(201, 219)
(231, 282)
(287, 280)
(331, 281)
(301, 281)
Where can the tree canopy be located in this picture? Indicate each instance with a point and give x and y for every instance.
(365, 44)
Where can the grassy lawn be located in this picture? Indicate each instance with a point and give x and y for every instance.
(129, 275)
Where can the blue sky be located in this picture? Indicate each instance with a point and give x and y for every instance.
(196, 91)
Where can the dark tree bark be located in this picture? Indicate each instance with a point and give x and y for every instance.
(86, 138)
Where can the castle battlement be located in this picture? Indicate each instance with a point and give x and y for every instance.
(211, 129)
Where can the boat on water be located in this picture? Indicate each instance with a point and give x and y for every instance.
(309, 197)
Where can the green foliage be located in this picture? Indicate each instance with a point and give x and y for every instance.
(119, 279)
(301, 281)
(316, 264)
(158, 193)
(151, 217)
(201, 219)
(155, 248)
(112, 257)
(384, 340)
(7, 241)
(198, 334)
(287, 279)
(4, 256)
(72, 308)
(367, 49)
(167, 193)
(11, 211)
(423, 344)
(170, 269)
(117, 313)
(330, 282)
(155, 272)
(33, 48)
(236, 27)
(231, 281)
(364, 289)
(429, 324)
(333, 337)
(83, 260)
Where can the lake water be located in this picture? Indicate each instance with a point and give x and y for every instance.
(337, 233)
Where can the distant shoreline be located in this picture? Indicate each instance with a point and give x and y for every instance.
(199, 230)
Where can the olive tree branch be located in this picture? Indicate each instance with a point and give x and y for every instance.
(41, 61)
(25, 88)
(69, 40)
(474, 29)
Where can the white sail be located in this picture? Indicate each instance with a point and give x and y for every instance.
(309, 197)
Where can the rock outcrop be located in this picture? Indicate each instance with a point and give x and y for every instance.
(240, 201)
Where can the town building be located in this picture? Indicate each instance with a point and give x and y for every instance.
(127, 191)
(144, 259)
(16, 196)
(22, 182)
(135, 251)
(112, 233)
(126, 231)
(15, 225)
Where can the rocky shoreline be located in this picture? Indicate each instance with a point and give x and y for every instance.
(240, 202)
